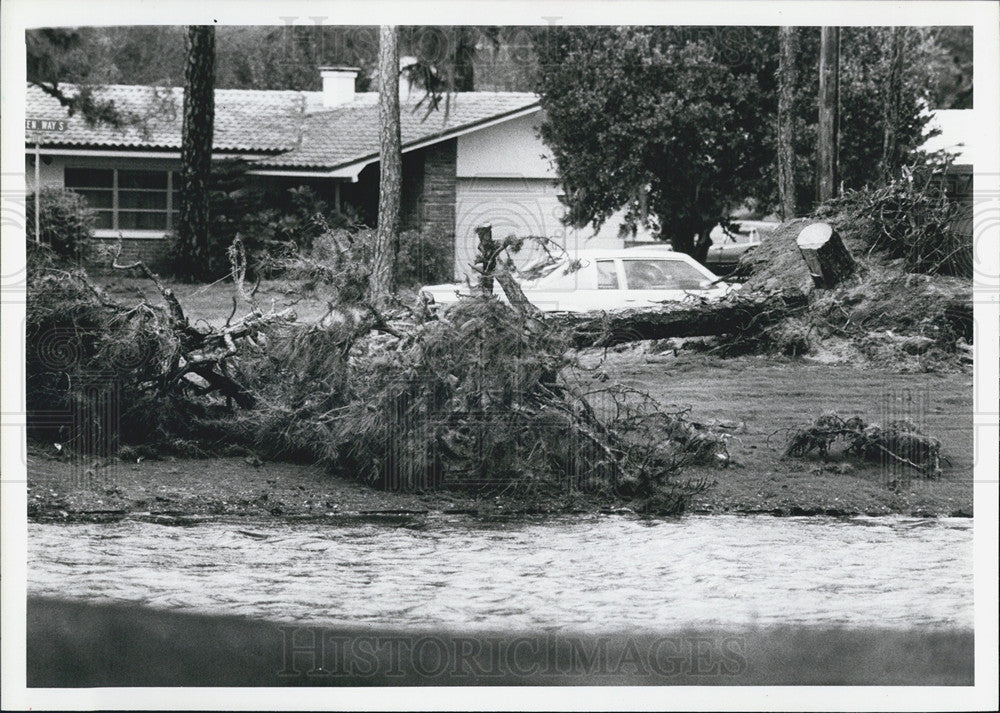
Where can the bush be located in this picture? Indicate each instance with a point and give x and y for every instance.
(423, 259)
(339, 259)
(912, 219)
(66, 223)
(292, 222)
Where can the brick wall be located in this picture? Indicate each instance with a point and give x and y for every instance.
(439, 188)
(151, 251)
(438, 197)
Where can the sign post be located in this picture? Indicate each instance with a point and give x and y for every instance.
(37, 126)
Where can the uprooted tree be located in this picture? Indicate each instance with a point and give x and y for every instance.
(483, 396)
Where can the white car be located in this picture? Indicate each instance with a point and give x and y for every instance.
(591, 280)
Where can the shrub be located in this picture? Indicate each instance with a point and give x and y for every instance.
(66, 223)
(295, 219)
(290, 221)
(339, 259)
(424, 259)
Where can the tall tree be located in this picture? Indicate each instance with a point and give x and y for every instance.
(465, 40)
(827, 140)
(382, 280)
(56, 56)
(196, 152)
(786, 123)
(655, 120)
(891, 104)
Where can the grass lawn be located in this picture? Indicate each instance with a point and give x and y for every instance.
(771, 396)
(214, 303)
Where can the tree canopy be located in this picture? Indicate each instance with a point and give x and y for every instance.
(677, 125)
(658, 121)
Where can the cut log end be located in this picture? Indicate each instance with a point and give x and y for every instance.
(827, 257)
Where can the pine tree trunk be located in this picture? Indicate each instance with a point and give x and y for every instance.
(465, 52)
(893, 98)
(382, 281)
(786, 118)
(196, 152)
(742, 313)
(829, 100)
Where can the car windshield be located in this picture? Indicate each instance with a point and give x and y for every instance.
(653, 274)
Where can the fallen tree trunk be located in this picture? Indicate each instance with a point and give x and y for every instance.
(735, 314)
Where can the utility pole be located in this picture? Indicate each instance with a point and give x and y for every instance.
(827, 138)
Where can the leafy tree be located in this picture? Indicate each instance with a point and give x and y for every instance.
(655, 120)
(866, 90)
(287, 56)
(678, 126)
(149, 55)
(193, 248)
(953, 67)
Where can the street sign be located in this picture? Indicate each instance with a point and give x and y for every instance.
(45, 124)
(41, 125)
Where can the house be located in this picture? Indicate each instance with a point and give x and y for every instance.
(476, 159)
(960, 137)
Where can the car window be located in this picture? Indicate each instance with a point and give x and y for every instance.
(607, 275)
(652, 274)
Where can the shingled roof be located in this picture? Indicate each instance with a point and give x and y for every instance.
(350, 134)
(245, 120)
(291, 124)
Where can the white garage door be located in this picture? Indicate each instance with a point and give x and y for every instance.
(517, 206)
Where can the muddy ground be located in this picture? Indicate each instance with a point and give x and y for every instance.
(756, 399)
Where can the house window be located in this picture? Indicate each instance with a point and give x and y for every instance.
(126, 199)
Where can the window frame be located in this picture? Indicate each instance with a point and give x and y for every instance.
(116, 209)
(619, 282)
(628, 286)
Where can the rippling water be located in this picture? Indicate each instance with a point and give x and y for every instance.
(594, 573)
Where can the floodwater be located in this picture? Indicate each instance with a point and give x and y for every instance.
(593, 573)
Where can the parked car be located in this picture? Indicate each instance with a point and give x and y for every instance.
(607, 279)
(728, 247)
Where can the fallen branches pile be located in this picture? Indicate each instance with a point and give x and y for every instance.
(898, 443)
(477, 399)
(102, 373)
(484, 396)
(912, 219)
(885, 315)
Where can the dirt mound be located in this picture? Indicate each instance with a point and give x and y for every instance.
(777, 263)
(882, 315)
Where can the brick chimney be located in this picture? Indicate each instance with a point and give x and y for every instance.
(338, 85)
